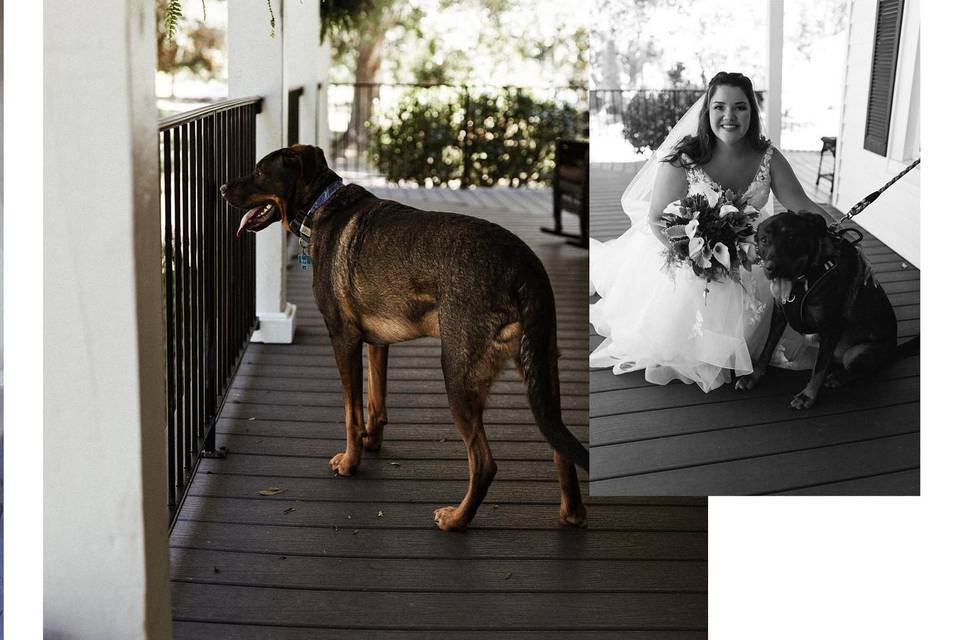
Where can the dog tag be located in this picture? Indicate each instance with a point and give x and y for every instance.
(304, 260)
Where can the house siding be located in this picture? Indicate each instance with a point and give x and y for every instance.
(895, 217)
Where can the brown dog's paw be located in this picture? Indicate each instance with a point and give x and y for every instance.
(574, 517)
(343, 466)
(372, 440)
(802, 401)
(745, 383)
(448, 519)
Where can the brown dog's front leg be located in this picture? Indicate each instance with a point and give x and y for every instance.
(349, 355)
(806, 398)
(778, 322)
(376, 395)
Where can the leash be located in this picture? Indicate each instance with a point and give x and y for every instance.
(863, 204)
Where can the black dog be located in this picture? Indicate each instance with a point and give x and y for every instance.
(384, 273)
(822, 285)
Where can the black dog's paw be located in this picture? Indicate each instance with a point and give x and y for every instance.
(745, 383)
(802, 401)
(834, 379)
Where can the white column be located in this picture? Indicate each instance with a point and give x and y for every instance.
(323, 123)
(105, 540)
(774, 102)
(301, 44)
(255, 66)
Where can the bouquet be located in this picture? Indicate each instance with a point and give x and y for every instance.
(712, 232)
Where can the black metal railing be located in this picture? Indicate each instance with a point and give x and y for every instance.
(208, 275)
(293, 115)
(351, 107)
(645, 116)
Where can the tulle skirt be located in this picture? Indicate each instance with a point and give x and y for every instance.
(676, 326)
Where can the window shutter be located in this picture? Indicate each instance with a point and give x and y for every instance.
(886, 42)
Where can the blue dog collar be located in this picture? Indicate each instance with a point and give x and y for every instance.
(302, 224)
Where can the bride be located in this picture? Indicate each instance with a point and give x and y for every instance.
(667, 320)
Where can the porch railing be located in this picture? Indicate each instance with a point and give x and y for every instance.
(293, 115)
(350, 106)
(208, 275)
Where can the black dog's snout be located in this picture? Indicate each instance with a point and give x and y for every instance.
(223, 189)
(769, 265)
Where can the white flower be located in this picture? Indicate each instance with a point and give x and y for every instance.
(691, 228)
(695, 247)
(749, 250)
(673, 208)
(722, 254)
(703, 189)
(750, 209)
(728, 208)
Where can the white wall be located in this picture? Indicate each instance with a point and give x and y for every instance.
(105, 546)
(895, 216)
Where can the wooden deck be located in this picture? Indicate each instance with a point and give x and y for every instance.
(361, 557)
(675, 440)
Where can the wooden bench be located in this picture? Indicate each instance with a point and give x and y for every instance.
(571, 189)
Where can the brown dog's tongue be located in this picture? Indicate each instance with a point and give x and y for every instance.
(781, 288)
(245, 220)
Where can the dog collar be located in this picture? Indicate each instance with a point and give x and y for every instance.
(302, 221)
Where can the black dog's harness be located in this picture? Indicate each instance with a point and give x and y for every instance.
(303, 220)
(817, 278)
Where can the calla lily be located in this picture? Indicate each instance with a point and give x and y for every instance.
(695, 247)
(722, 254)
(703, 259)
(691, 228)
(749, 250)
(750, 209)
(673, 208)
(728, 208)
(710, 194)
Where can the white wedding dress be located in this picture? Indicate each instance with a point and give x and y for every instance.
(660, 318)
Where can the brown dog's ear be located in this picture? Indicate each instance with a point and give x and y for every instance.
(815, 222)
(291, 160)
(320, 159)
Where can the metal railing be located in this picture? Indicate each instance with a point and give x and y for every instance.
(351, 105)
(644, 115)
(293, 115)
(208, 275)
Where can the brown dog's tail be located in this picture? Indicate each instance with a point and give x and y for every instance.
(538, 364)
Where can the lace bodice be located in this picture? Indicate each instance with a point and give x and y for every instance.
(757, 192)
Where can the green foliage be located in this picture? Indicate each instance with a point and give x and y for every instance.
(171, 18)
(348, 16)
(506, 135)
(650, 115)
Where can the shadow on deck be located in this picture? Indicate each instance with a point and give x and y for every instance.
(675, 440)
(362, 554)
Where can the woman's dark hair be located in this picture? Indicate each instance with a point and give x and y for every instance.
(699, 148)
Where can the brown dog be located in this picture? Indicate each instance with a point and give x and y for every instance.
(384, 273)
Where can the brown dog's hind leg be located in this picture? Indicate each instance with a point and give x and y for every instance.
(349, 356)
(376, 395)
(467, 386)
(572, 511)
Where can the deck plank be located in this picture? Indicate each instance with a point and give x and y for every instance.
(292, 565)
(676, 439)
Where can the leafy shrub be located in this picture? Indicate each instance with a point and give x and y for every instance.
(650, 115)
(506, 135)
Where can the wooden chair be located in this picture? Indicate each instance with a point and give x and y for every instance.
(571, 189)
(829, 145)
